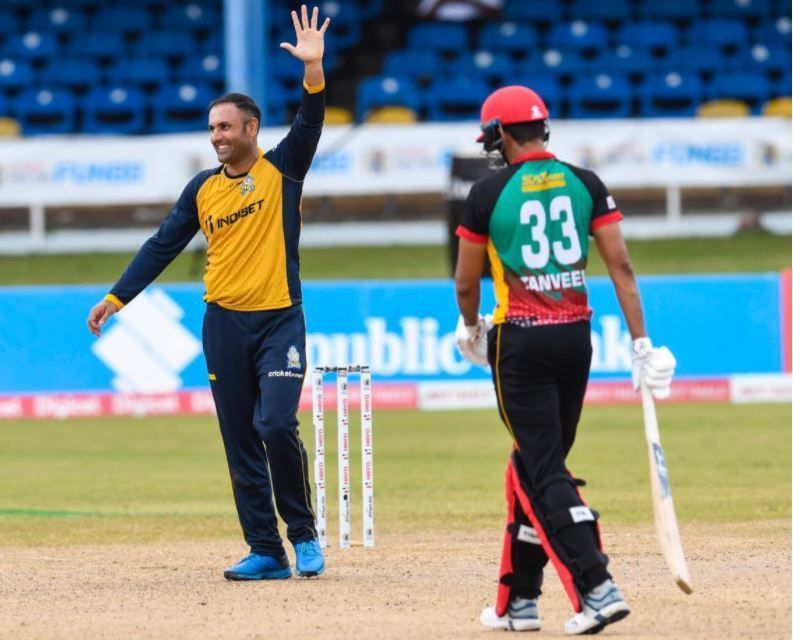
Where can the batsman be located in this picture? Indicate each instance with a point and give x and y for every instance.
(532, 219)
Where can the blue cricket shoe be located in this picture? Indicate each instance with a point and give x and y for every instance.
(308, 558)
(256, 567)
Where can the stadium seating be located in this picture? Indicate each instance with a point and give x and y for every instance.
(723, 109)
(45, 111)
(671, 94)
(181, 108)
(392, 115)
(458, 98)
(9, 128)
(779, 107)
(338, 115)
(79, 75)
(387, 91)
(84, 45)
(602, 96)
(15, 75)
(114, 109)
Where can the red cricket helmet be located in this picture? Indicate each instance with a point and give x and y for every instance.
(510, 105)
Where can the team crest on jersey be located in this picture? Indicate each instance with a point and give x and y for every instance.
(247, 186)
(292, 358)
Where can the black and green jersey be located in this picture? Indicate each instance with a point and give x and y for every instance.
(536, 217)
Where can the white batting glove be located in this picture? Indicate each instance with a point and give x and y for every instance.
(472, 340)
(654, 366)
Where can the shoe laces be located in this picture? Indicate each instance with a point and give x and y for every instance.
(309, 548)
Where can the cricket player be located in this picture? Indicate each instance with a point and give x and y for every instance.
(254, 334)
(533, 219)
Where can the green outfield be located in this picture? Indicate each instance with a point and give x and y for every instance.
(745, 252)
(138, 480)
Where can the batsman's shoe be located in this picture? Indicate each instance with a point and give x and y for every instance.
(522, 615)
(308, 558)
(603, 605)
(256, 567)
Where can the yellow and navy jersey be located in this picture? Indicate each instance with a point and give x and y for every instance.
(535, 217)
(252, 224)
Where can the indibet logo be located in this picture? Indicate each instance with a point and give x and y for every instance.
(417, 348)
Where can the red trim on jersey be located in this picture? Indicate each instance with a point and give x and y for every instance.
(462, 232)
(533, 155)
(609, 218)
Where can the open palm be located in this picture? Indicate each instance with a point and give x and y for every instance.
(310, 40)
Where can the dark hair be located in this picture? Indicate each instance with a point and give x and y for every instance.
(524, 132)
(244, 103)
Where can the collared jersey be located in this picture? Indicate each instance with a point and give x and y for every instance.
(252, 224)
(535, 217)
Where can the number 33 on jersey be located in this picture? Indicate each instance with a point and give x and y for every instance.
(536, 217)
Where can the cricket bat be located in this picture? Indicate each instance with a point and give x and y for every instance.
(663, 507)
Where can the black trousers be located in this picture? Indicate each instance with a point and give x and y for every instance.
(540, 374)
(257, 363)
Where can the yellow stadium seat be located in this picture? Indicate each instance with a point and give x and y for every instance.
(9, 128)
(723, 109)
(779, 107)
(337, 115)
(392, 115)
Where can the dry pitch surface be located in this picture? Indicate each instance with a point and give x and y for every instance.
(420, 586)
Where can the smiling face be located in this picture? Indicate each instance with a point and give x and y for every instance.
(232, 133)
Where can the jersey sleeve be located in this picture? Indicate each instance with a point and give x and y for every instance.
(476, 217)
(604, 209)
(293, 155)
(175, 232)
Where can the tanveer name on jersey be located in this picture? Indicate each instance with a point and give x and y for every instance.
(551, 281)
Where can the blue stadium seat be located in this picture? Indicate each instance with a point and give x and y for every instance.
(419, 65)
(457, 98)
(115, 110)
(386, 91)
(148, 74)
(602, 96)
(58, 19)
(102, 47)
(367, 9)
(346, 31)
(181, 108)
(275, 105)
(774, 33)
(752, 88)
(562, 64)
(678, 11)
(206, 70)
(702, 59)
(727, 35)
(671, 94)
(773, 61)
(624, 59)
(782, 87)
(579, 35)
(5, 107)
(740, 9)
(613, 11)
(548, 88)
(286, 69)
(442, 37)
(494, 68)
(166, 44)
(129, 21)
(45, 111)
(195, 17)
(86, 6)
(75, 74)
(33, 46)
(9, 23)
(515, 39)
(535, 11)
(15, 75)
(656, 36)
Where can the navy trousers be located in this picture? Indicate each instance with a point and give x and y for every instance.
(257, 363)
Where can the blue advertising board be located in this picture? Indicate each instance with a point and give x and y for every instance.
(715, 325)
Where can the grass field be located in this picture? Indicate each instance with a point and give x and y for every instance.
(745, 252)
(139, 480)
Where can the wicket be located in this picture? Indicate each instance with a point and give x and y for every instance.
(343, 428)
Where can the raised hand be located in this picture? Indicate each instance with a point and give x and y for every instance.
(310, 40)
